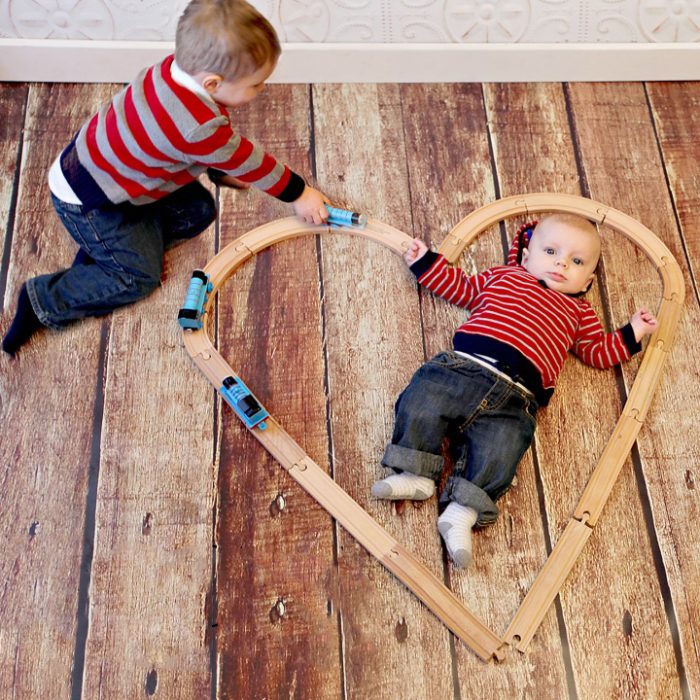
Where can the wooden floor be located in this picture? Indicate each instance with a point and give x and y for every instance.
(151, 548)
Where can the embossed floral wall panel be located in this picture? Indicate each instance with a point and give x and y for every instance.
(375, 21)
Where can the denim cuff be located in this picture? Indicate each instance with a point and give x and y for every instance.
(40, 313)
(414, 461)
(471, 496)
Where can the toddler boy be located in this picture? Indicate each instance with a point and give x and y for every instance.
(126, 186)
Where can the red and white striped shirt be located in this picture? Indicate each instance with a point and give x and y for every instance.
(510, 306)
(155, 136)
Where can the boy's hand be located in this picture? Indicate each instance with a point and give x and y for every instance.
(643, 323)
(233, 182)
(311, 206)
(415, 252)
(221, 179)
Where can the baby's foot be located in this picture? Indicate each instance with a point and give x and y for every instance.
(404, 485)
(455, 525)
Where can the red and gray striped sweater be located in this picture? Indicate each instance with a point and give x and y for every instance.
(526, 327)
(156, 136)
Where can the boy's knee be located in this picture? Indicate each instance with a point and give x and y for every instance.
(191, 217)
(145, 285)
(135, 287)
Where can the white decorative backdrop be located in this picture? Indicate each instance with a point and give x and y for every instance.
(375, 21)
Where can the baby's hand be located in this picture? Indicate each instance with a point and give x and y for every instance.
(310, 207)
(643, 323)
(415, 252)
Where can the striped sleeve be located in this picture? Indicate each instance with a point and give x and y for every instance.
(244, 159)
(450, 282)
(599, 349)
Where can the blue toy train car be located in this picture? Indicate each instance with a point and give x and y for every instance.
(190, 315)
(341, 217)
(239, 397)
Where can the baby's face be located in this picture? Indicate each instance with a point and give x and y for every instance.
(562, 255)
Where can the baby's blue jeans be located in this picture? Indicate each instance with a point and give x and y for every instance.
(125, 245)
(491, 421)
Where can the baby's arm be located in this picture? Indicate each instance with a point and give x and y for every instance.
(643, 323)
(415, 252)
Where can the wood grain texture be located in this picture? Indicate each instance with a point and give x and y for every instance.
(673, 461)
(374, 345)
(276, 582)
(571, 436)
(208, 571)
(640, 188)
(13, 102)
(152, 565)
(48, 394)
(675, 111)
(451, 175)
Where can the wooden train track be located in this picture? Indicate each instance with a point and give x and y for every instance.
(402, 563)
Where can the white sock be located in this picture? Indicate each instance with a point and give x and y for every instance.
(455, 525)
(404, 485)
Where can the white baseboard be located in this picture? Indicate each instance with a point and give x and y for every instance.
(119, 61)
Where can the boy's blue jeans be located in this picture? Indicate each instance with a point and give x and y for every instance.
(491, 419)
(125, 245)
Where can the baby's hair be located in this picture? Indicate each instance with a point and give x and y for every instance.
(579, 222)
(227, 37)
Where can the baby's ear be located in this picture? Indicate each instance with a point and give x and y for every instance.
(525, 253)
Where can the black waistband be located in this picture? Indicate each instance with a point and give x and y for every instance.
(507, 360)
(81, 182)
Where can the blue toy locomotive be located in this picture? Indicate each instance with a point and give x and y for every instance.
(342, 217)
(190, 315)
(239, 397)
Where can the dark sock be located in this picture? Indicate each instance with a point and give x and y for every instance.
(23, 325)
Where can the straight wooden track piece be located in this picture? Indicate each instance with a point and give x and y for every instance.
(563, 557)
(402, 563)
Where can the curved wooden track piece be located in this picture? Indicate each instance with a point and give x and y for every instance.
(402, 563)
(429, 589)
(563, 557)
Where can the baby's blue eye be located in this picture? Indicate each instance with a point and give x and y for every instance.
(549, 251)
(577, 261)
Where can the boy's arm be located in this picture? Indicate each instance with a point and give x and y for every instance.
(603, 350)
(230, 157)
(442, 279)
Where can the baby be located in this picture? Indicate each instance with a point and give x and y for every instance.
(524, 318)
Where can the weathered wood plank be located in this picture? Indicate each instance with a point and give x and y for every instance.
(451, 175)
(154, 518)
(48, 394)
(374, 342)
(565, 439)
(533, 151)
(625, 168)
(673, 464)
(277, 610)
(577, 425)
(13, 101)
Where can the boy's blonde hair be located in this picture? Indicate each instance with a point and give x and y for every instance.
(227, 37)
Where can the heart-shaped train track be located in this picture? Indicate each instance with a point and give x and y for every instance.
(396, 558)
